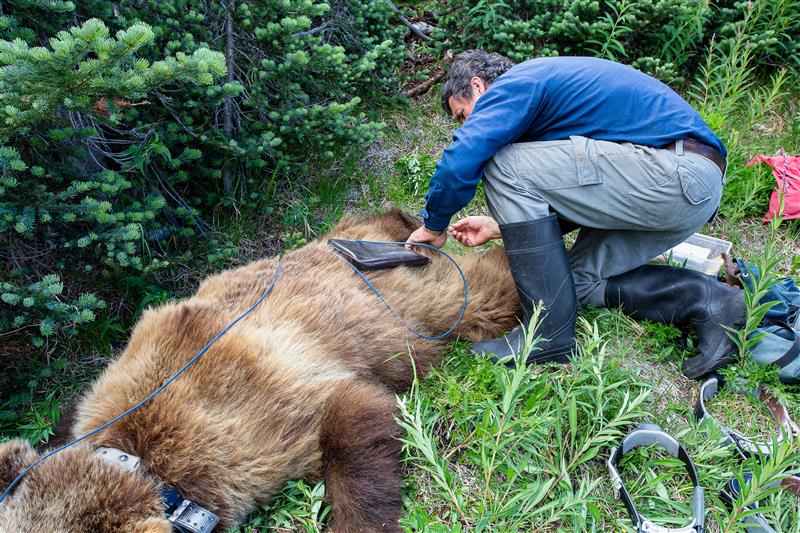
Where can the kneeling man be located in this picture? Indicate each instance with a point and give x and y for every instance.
(576, 142)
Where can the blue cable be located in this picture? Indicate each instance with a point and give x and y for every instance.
(392, 311)
(158, 390)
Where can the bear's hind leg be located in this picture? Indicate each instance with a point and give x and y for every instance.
(361, 459)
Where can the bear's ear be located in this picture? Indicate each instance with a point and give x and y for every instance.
(408, 220)
(152, 525)
(15, 455)
(345, 223)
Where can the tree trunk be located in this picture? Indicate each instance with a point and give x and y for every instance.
(227, 173)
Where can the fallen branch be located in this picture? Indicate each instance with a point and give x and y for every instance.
(416, 31)
(423, 87)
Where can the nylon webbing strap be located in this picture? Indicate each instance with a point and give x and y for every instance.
(790, 355)
(745, 447)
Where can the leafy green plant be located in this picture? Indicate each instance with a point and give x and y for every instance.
(611, 47)
(292, 99)
(763, 485)
(294, 240)
(148, 294)
(39, 424)
(300, 507)
(772, 29)
(414, 170)
(40, 305)
(32, 412)
(747, 191)
(515, 459)
(762, 278)
(53, 193)
(123, 136)
(685, 32)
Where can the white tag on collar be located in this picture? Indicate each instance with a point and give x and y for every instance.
(118, 458)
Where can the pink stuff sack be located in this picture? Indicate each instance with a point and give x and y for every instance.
(786, 169)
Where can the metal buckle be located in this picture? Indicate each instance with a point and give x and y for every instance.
(616, 480)
(191, 517)
(650, 527)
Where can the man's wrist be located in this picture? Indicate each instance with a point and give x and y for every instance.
(434, 223)
(435, 231)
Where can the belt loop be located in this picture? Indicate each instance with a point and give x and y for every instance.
(679, 147)
(579, 145)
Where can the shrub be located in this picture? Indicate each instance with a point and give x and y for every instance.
(62, 106)
(116, 150)
(771, 29)
(661, 38)
(298, 73)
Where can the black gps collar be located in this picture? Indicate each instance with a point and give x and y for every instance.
(745, 447)
(646, 435)
(185, 515)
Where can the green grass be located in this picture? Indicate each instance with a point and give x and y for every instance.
(488, 448)
(492, 449)
(516, 449)
(742, 413)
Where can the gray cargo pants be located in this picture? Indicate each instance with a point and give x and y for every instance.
(632, 202)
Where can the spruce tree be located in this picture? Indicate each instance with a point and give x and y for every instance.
(67, 206)
(123, 128)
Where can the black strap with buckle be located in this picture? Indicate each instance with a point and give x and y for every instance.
(746, 447)
(646, 435)
(185, 515)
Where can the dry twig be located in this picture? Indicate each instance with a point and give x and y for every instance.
(423, 87)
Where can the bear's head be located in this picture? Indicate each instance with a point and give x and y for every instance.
(76, 491)
(393, 225)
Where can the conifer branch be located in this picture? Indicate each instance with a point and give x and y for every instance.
(416, 31)
(312, 31)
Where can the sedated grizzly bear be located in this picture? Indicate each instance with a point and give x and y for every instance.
(302, 387)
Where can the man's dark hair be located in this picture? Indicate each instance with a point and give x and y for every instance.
(486, 66)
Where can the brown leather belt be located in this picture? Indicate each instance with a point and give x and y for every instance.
(709, 152)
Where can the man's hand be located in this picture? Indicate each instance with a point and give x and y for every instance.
(474, 231)
(423, 235)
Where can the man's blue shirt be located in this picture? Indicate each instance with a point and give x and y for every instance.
(550, 99)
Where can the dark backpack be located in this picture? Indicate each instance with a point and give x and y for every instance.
(780, 328)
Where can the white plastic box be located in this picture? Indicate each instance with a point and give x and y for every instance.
(699, 252)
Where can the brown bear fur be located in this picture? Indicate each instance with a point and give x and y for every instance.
(302, 387)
